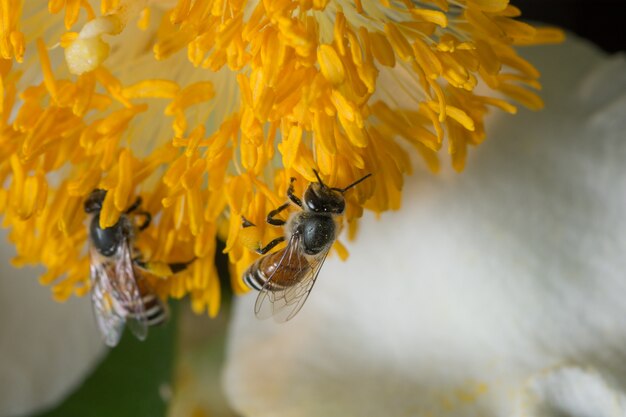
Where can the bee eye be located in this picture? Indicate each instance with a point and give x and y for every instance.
(338, 205)
(94, 202)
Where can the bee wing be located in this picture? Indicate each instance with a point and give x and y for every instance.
(109, 314)
(284, 301)
(296, 296)
(128, 292)
(264, 305)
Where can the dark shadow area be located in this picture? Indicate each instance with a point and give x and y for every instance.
(600, 21)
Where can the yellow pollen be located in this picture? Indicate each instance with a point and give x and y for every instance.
(207, 109)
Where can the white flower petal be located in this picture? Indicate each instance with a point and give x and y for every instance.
(571, 391)
(481, 280)
(46, 348)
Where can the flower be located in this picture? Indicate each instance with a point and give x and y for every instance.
(498, 292)
(267, 90)
(46, 350)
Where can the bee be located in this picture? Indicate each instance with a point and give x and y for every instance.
(285, 278)
(120, 294)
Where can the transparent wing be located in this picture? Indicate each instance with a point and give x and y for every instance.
(296, 296)
(107, 311)
(287, 289)
(127, 291)
(264, 305)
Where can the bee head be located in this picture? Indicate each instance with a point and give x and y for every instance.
(93, 204)
(321, 198)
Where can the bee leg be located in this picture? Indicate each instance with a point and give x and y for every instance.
(140, 263)
(147, 219)
(162, 269)
(246, 223)
(176, 267)
(269, 246)
(276, 222)
(291, 195)
(134, 206)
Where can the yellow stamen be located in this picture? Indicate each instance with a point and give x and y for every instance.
(382, 49)
(432, 16)
(189, 107)
(48, 77)
(330, 64)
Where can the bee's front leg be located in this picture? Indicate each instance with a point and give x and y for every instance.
(263, 250)
(291, 195)
(147, 219)
(276, 222)
(134, 206)
(270, 246)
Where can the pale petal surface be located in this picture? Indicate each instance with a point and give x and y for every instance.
(46, 348)
(571, 391)
(480, 283)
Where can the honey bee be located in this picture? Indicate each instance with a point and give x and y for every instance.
(285, 278)
(120, 294)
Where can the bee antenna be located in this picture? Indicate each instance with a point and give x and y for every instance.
(353, 184)
(318, 178)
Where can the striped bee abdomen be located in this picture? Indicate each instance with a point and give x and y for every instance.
(254, 277)
(283, 271)
(154, 310)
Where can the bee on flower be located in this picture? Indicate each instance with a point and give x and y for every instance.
(210, 107)
(286, 277)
